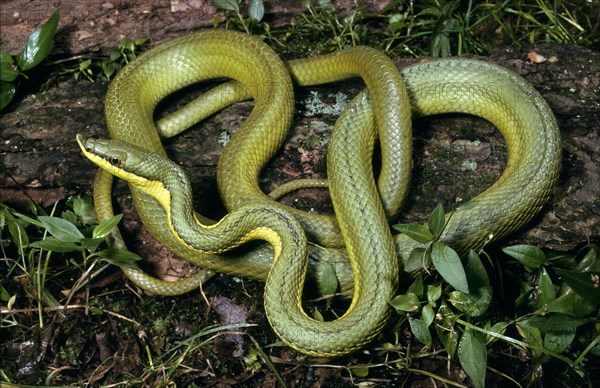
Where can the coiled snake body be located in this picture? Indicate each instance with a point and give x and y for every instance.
(368, 267)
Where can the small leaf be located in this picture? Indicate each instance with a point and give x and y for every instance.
(546, 291)
(38, 44)
(419, 233)
(419, 258)
(91, 244)
(448, 264)
(420, 331)
(473, 357)
(405, 303)
(417, 286)
(83, 206)
(530, 256)
(449, 338)
(8, 72)
(362, 371)
(63, 230)
(427, 314)
(228, 5)
(434, 293)
(473, 304)
(118, 256)
(7, 93)
(328, 280)
(54, 245)
(18, 235)
(256, 10)
(437, 220)
(106, 227)
(586, 284)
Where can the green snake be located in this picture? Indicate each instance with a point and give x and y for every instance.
(368, 267)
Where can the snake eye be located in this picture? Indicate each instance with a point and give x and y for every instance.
(114, 161)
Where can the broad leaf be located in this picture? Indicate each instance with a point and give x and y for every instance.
(228, 5)
(62, 229)
(54, 245)
(420, 331)
(419, 233)
(118, 256)
(405, 303)
(8, 72)
(556, 322)
(586, 284)
(256, 10)
(437, 220)
(328, 280)
(473, 357)
(106, 227)
(530, 256)
(448, 264)
(38, 44)
(7, 93)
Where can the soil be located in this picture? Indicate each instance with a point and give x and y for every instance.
(455, 157)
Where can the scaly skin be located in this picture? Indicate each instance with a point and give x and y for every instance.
(453, 85)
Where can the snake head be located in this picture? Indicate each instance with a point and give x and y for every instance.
(132, 163)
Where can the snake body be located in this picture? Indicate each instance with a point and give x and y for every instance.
(368, 268)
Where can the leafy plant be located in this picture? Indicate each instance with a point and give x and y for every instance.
(39, 238)
(34, 51)
(255, 10)
(101, 67)
(456, 315)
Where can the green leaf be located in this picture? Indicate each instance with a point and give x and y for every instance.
(328, 280)
(530, 256)
(586, 284)
(405, 303)
(448, 264)
(475, 271)
(417, 286)
(559, 341)
(83, 206)
(546, 291)
(118, 256)
(434, 293)
(571, 304)
(449, 338)
(63, 230)
(472, 355)
(106, 227)
(427, 314)
(555, 322)
(91, 244)
(419, 258)
(8, 71)
(38, 44)
(437, 220)
(362, 371)
(419, 233)
(256, 10)
(18, 235)
(54, 245)
(228, 5)
(533, 336)
(7, 93)
(474, 304)
(420, 331)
